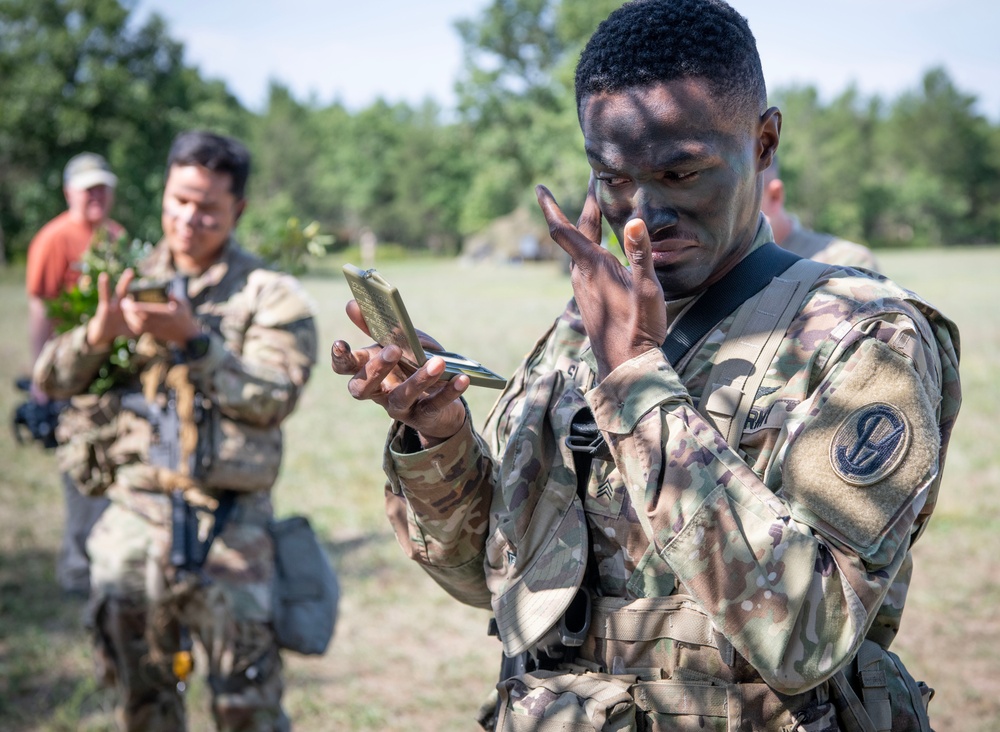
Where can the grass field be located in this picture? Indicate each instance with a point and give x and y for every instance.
(406, 656)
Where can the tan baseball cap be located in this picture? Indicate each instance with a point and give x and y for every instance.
(87, 170)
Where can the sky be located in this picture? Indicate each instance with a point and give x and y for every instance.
(355, 51)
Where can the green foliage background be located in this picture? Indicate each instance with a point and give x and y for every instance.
(921, 169)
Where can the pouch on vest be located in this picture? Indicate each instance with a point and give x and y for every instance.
(876, 693)
(306, 592)
(547, 701)
(237, 456)
(86, 433)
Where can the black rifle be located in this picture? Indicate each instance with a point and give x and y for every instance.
(187, 552)
(34, 421)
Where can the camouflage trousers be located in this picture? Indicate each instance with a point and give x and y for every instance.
(82, 512)
(141, 615)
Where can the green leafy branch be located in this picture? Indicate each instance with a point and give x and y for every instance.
(78, 304)
(275, 234)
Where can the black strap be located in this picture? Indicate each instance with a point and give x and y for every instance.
(587, 444)
(746, 279)
(187, 553)
(222, 511)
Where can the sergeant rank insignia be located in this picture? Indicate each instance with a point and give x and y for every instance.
(869, 444)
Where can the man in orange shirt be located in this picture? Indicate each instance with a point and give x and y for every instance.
(53, 267)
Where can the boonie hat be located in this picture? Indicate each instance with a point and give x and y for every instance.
(552, 556)
(536, 559)
(87, 170)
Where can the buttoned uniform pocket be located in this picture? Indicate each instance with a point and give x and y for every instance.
(551, 701)
(237, 456)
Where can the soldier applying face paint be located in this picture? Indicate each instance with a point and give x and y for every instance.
(693, 506)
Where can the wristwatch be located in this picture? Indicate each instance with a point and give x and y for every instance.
(197, 348)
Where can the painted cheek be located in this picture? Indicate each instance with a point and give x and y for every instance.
(616, 209)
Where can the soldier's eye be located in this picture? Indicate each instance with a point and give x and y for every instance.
(612, 181)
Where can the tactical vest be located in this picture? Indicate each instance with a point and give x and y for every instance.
(664, 664)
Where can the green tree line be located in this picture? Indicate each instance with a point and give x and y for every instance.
(920, 169)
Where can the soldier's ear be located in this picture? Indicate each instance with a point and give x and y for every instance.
(241, 206)
(768, 135)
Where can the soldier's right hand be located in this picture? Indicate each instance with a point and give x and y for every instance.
(420, 400)
(108, 322)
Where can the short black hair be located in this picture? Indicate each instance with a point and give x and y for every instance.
(648, 41)
(216, 152)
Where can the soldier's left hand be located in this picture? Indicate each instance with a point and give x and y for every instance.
(420, 398)
(170, 322)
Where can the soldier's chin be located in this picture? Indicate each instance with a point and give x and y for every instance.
(678, 282)
(668, 281)
(182, 241)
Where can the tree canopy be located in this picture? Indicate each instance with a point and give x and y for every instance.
(920, 169)
(78, 76)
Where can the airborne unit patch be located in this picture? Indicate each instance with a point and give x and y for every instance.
(867, 450)
(870, 444)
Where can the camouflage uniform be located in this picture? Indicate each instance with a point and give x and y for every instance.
(262, 348)
(733, 587)
(828, 248)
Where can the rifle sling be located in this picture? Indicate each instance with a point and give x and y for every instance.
(222, 512)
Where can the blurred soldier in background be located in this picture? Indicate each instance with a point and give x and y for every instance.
(53, 258)
(221, 361)
(791, 235)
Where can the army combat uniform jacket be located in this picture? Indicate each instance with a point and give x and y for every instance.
(736, 586)
(262, 346)
(828, 248)
(262, 338)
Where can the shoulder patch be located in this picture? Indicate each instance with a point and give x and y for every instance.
(870, 444)
(866, 452)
